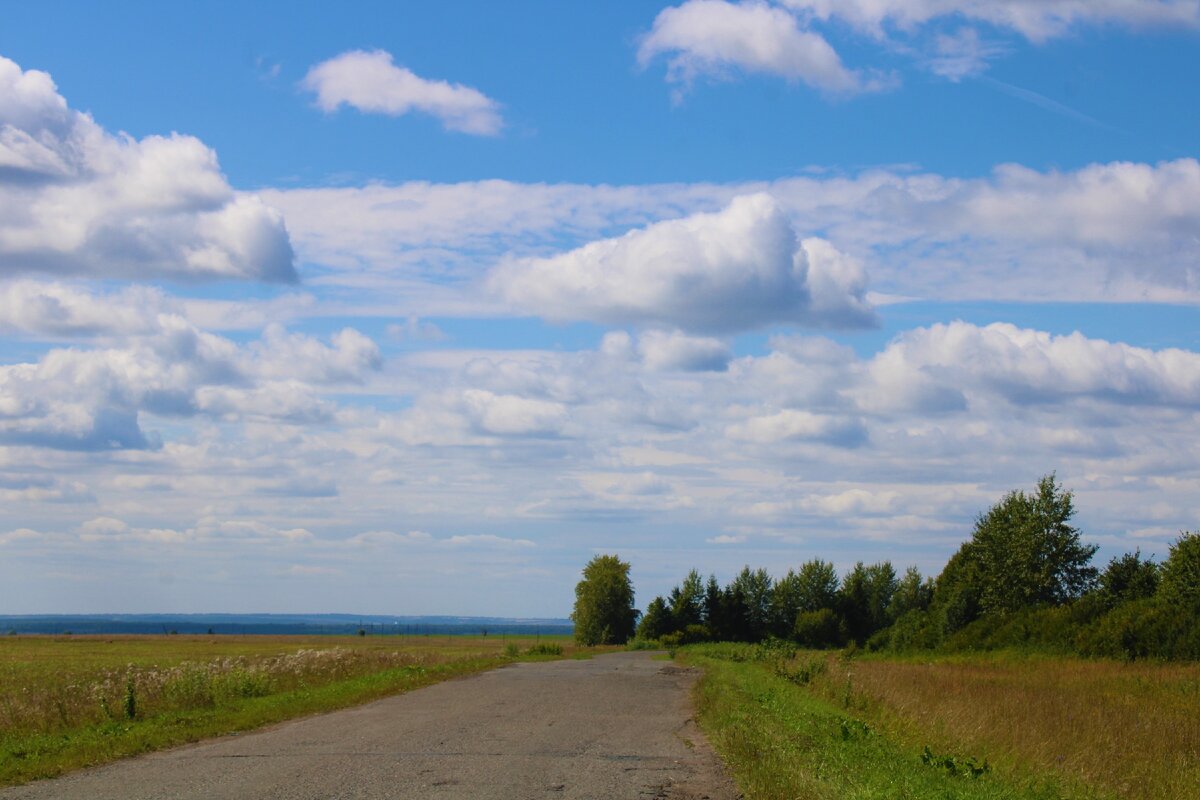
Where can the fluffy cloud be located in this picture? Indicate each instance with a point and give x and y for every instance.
(1119, 231)
(348, 358)
(63, 310)
(806, 445)
(76, 200)
(1036, 20)
(737, 269)
(511, 415)
(1033, 367)
(156, 362)
(785, 38)
(676, 351)
(370, 82)
(788, 424)
(710, 37)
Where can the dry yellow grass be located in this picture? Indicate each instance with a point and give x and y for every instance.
(52, 683)
(1132, 729)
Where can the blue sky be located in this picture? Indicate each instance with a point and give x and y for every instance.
(411, 309)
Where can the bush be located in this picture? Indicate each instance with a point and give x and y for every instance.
(545, 649)
(915, 630)
(671, 641)
(1053, 629)
(818, 629)
(190, 687)
(243, 683)
(644, 644)
(803, 673)
(728, 651)
(1151, 628)
(775, 650)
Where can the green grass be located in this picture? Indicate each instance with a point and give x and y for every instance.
(63, 699)
(782, 739)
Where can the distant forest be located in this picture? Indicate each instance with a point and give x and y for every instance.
(282, 624)
(1024, 580)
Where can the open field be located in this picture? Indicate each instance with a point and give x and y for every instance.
(67, 702)
(820, 725)
(616, 726)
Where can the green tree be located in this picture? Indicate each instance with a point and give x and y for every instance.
(604, 612)
(912, 594)
(785, 604)
(717, 613)
(751, 591)
(817, 585)
(956, 591)
(656, 622)
(1027, 554)
(865, 596)
(1129, 577)
(1181, 572)
(687, 601)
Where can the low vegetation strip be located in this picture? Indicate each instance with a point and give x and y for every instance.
(69, 702)
(820, 725)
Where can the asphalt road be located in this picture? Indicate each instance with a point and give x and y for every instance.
(616, 726)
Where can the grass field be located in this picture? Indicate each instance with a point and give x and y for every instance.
(73, 701)
(822, 726)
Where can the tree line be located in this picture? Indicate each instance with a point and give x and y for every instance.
(1024, 579)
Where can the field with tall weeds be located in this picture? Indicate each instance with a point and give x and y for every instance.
(73, 701)
(818, 724)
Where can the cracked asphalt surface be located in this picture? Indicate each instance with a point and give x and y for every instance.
(615, 726)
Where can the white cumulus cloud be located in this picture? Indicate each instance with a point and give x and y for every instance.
(155, 361)
(77, 200)
(712, 37)
(737, 269)
(511, 415)
(372, 83)
(1026, 366)
(672, 350)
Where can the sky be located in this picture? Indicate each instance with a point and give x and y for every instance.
(414, 308)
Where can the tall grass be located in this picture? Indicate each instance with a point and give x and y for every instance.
(1133, 729)
(1084, 728)
(782, 741)
(67, 702)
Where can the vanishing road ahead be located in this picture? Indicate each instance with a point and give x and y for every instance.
(616, 726)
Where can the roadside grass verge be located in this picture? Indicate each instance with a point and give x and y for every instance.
(71, 702)
(783, 737)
